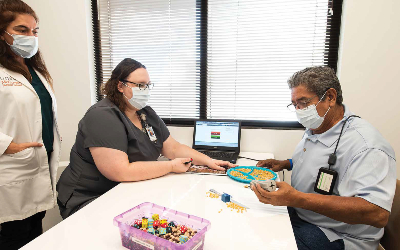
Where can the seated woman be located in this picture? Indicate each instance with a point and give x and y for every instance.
(119, 139)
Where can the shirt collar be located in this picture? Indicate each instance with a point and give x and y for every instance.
(329, 137)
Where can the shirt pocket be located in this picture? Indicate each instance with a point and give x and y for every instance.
(21, 153)
(19, 166)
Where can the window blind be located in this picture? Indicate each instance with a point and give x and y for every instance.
(162, 35)
(254, 46)
(218, 59)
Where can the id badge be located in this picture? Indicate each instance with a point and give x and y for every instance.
(151, 134)
(326, 180)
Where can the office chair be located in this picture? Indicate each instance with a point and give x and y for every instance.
(391, 237)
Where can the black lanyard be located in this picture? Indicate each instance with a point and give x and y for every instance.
(332, 157)
(144, 124)
(326, 177)
(147, 129)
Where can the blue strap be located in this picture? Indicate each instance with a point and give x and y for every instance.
(291, 164)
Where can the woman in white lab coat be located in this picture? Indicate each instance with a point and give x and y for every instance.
(29, 138)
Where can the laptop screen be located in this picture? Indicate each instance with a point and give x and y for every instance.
(217, 134)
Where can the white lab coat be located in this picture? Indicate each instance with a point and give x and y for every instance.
(27, 180)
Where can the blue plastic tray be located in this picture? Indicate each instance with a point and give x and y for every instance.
(250, 177)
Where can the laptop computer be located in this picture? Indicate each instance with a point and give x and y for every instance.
(218, 139)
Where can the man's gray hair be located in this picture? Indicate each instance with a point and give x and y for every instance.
(317, 80)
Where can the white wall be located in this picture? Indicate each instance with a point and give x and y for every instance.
(369, 64)
(64, 40)
(369, 58)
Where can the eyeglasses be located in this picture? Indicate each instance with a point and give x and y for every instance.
(141, 86)
(300, 104)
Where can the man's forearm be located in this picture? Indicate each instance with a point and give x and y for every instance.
(351, 210)
(286, 164)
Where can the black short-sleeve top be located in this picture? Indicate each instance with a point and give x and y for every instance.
(105, 125)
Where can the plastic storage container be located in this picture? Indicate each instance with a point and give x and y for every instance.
(133, 238)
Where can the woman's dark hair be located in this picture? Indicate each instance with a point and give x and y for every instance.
(318, 80)
(9, 9)
(121, 72)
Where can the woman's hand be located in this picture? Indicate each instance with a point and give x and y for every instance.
(179, 166)
(14, 148)
(216, 164)
(274, 165)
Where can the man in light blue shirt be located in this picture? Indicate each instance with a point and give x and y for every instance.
(354, 215)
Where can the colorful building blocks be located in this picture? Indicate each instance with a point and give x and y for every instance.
(183, 239)
(144, 222)
(225, 197)
(183, 229)
(150, 223)
(155, 217)
(163, 223)
(138, 222)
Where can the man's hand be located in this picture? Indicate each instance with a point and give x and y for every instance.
(282, 197)
(14, 148)
(274, 165)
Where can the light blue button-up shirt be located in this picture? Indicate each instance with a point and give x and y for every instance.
(366, 167)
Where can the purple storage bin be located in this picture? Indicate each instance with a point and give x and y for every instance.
(133, 238)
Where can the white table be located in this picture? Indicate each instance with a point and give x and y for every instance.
(261, 227)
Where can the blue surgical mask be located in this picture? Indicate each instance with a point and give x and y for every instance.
(24, 46)
(309, 117)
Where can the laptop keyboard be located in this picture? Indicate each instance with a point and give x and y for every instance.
(218, 154)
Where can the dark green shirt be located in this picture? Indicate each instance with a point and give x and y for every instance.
(47, 110)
